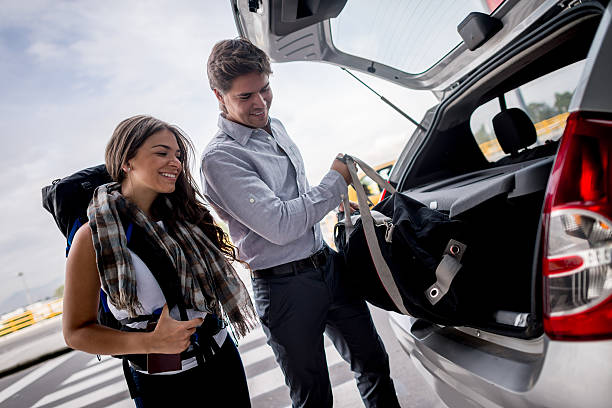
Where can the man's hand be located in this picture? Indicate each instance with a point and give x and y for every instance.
(341, 168)
(354, 206)
(172, 336)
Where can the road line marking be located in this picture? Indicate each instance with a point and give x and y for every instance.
(95, 396)
(103, 358)
(33, 376)
(86, 372)
(253, 335)
(124, 403)
(73, 389)
(271, 379)
(257, 354)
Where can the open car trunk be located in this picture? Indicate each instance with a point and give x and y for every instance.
(501, 208)
(500, 200)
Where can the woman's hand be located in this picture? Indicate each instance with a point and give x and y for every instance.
(172, 336)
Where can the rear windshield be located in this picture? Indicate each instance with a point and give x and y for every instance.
(409, 35)
(545, 100)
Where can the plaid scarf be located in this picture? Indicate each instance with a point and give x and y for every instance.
(207, 279)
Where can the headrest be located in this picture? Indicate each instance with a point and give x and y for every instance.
(514, 130)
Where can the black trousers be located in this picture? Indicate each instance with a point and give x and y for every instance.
(295, 310)
(220, 382)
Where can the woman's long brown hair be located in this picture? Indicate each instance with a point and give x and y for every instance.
(186, 200)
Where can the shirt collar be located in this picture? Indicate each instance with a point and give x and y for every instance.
(236, 131)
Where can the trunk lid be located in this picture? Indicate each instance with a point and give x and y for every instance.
(413, 43)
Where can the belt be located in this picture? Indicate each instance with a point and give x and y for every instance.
(316, 260)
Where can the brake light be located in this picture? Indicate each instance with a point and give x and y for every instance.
(577, 231)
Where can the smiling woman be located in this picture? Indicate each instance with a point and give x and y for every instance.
(161, 262)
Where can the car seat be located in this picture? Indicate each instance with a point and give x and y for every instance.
(515, 132)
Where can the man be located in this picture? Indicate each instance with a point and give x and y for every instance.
(253, 175)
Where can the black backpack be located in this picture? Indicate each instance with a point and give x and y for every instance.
(67, 199)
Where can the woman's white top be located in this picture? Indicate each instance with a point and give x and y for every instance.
(152, 298)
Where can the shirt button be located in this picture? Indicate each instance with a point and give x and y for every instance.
(269, 137)
(251, 200)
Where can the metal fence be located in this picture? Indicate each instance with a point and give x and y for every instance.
(35, 313)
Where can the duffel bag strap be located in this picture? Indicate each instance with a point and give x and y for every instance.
(384, 273)
(446, 271)
(348, 222)
(373, 174)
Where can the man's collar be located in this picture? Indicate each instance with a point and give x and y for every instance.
(236, 131)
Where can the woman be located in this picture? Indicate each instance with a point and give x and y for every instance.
(151, 246)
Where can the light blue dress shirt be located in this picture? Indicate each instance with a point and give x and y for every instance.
(257, 184)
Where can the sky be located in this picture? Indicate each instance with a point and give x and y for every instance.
(70, 71)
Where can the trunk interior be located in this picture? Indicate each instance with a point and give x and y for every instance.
(499, 199)
(501, 208)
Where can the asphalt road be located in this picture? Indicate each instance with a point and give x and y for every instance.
(78, 379)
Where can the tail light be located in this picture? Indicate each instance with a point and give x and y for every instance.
(577, 231)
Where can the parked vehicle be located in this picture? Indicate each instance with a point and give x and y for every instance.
(539, 204)
(371, 188)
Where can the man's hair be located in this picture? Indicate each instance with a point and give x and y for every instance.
(230, 59)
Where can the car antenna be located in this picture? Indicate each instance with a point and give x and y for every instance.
(385, 100)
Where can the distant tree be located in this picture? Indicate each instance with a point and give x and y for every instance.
(59, 292)
(482, 135)
(539, 111)
(562, 101)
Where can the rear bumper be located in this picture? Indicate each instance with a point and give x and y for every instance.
(495, 371)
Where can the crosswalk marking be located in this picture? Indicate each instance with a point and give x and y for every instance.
(269, 380)
(95, 360)
(33, 376)
(96, 382)
(73, 389)
(256, 354)
(97, 395)
(92, 369)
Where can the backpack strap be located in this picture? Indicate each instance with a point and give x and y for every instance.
(129, 378)
(75, 227)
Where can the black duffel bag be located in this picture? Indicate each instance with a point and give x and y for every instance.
(412, 262)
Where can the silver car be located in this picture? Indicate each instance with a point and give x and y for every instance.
(519, 147)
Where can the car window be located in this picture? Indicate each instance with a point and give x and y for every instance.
(410, 35)
(384, 172)
(370, 186)
(545, 100)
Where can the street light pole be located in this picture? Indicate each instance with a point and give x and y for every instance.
(25, 285)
